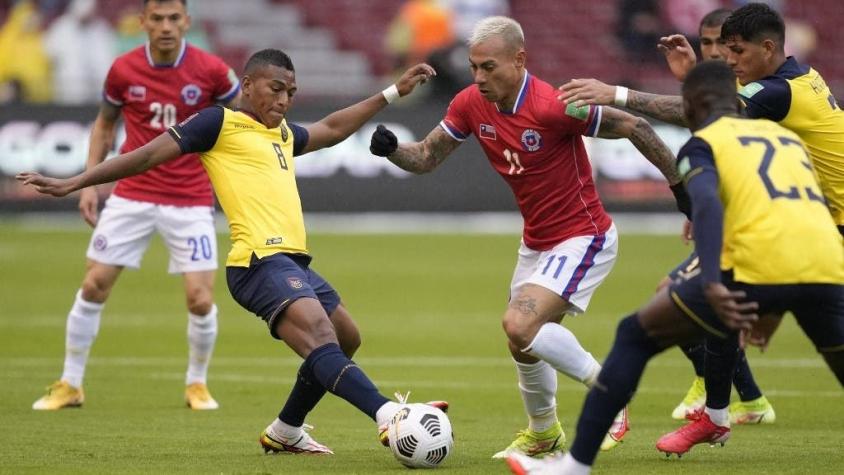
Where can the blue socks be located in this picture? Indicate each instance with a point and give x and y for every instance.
(615, 387)
(335, 372)
(304, 397)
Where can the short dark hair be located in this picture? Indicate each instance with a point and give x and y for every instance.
(184, 2)
(268, 57)
(755, 22)
(715, 18)
(710, 82)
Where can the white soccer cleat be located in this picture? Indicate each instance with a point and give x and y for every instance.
(521, 464)
(302, 444)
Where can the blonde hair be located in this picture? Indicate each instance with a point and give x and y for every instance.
(507, 28)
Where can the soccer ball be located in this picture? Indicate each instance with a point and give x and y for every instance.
(420, 436)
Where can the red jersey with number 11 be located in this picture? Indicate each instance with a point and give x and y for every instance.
(538, 149)
(154, 98)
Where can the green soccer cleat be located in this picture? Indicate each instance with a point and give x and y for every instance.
(59, 394)
(693, 402)
(757, 411)
(532, 443)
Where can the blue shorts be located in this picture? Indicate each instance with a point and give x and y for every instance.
(270, 285)
(819, 308)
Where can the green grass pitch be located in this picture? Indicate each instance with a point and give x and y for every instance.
(429, 309)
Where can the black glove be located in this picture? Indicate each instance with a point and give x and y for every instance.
(383, 142)
(684, 203)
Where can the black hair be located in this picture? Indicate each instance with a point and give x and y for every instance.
(710, 82)
(755, 22)
(184, 2)
(715, 18)
(268, 57)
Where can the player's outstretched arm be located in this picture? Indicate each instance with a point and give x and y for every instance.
(618, 124)
(102, 138)
(679, 55)
(159, 150)
(417, 157)
(592, 91)
(337, 126)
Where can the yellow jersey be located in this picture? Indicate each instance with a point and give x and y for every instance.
(252, 170)
(776, 226)
(797, 97)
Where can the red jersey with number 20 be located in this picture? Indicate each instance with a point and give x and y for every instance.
(154, 98)
(538, 149)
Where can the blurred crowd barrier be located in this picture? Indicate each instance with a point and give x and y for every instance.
(345, 178)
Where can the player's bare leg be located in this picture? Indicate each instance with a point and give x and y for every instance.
(83, 323)
(202, 335)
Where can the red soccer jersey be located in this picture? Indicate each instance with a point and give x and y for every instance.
(538, 149)
(155, 97)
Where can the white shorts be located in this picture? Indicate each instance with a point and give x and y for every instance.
(125, 227)
(573, 269)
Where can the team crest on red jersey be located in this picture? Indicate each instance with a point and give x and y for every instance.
(191, 94)
(137, 93)
(531, 140)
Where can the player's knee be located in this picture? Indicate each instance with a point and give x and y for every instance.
(200, 301)
(631, 333)
(519, 330)
(96, 288)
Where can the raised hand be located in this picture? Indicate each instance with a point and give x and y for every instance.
(417, 74)
(679, 54)
(48, 186)
(586, 91)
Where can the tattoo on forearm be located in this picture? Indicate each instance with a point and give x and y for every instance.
(665, 108)
(525, 305)
(422, 157)
(655, 150)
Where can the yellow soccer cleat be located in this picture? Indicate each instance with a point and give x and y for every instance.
(60, 394)
(757, 411)
(620, 426)
(693, 402)
(198, 398)
(532, 443)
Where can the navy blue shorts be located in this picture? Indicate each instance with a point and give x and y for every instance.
(271, 284)
(686, 269)
(819, 308)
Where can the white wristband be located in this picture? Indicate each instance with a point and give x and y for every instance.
(391, 94)
(621, 96)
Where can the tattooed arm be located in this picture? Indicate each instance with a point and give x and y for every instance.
(416, 157)
(617, 124)
(591, 91)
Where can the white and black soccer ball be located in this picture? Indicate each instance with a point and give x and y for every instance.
(420, 436)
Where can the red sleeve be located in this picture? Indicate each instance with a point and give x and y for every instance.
(114, 88)
(455, 122)
(226, 83)
(583, 120)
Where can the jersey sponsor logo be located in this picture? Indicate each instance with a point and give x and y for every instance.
(237, 125)
(272, 241)
(191, 94)
(581, 113)
(487, 131)
(137, 93)
(751, 89)
(100, 242)
(295, 283)
(531, 140)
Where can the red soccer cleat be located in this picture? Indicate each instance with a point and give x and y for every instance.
(702, 430)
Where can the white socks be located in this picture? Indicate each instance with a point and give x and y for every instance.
(558, 346)
(283, 431)
(538, 385)
(719, 417)
(202, 333)
(571, 466)
(83, 323)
